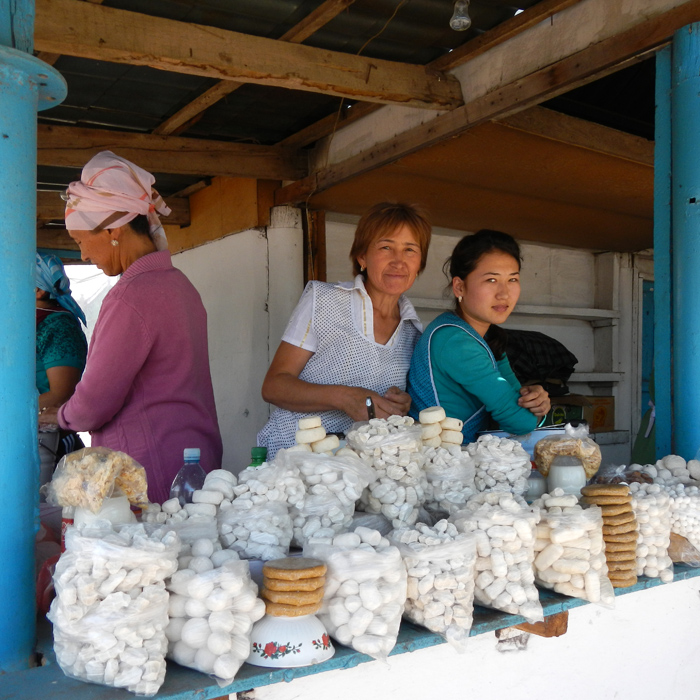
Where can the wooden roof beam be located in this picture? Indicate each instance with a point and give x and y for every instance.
(108, 34)
(580, 67)
(51, 207)
(179, 121)
(67, 146)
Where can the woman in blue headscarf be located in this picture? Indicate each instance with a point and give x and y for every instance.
(61, 350)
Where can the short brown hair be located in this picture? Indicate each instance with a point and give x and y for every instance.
(384, 218)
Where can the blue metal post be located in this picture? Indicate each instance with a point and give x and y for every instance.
(685, 222)
(26, 84)
(663, 330)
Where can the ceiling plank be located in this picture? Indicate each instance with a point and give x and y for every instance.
(503, 32)
(54, 238)
(564, 75)
(51, 207)
(578, 132)
(104, 33)
(73, 147)
(323, 14)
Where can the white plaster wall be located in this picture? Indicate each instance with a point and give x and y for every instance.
(231, 276)
(644, 649)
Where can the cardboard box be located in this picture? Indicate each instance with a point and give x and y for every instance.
(597, 411)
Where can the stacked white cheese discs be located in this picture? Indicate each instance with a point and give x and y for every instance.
(311, 437)
(212, 612)
(501, 464)
(440, 564)
(652, 509)
(393, 448)
(275, 481)
(505, 538)
(570, 549)
(450, 473)
(111, 607)
(365, 590)
(439, 430)
(256, 532)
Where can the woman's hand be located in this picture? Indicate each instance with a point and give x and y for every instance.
(394, 402)
(49, 415)
(535, 399)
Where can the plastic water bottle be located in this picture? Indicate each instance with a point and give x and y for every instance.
(189, 479)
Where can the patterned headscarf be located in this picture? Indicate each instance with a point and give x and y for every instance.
(51, 277)
(111, 192)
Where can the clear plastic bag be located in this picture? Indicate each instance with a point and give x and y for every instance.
(365, 591)
(682, 552)
(450, 475)
(570, 555)
(111, 607)
(505, 537)
(652, 510)
(373, 521)
(259, 532)
(211, 618)
(319, 516)
(274, 481)
(441, 586)
(501, 464)
(576, 443)
(86, 477)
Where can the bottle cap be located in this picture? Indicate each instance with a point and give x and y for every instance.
(258, 454)
(192, 453)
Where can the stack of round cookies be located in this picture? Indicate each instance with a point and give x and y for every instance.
(293, 586)
(619, 530)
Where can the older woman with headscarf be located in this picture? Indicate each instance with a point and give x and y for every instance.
(147, 388)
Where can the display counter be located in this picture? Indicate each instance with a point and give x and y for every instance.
(647, 645)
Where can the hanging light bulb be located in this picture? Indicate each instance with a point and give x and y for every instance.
(461, 21)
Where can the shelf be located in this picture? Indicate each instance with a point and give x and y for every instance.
(596, 377)
(612, 437)
(571, 312)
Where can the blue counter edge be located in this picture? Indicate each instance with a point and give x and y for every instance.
(185, 684)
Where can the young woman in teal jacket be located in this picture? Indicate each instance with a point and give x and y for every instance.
(459, 363)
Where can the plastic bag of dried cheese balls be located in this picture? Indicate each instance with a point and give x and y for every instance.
(320, 516)
(652, 510)
(274, 481)
(569, 549)
(450, 474)
(365, 590)
(344, 476)
(211, 616)
(440, 565)
(504, 527)
(111, 607)
(256, 532)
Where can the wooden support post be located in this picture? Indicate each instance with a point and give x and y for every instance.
(552, 626)
(314, 223)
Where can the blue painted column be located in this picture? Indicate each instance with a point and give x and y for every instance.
(663, 329)
(685, 226)
(26, 85)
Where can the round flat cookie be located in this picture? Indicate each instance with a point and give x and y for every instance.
(623, 567)
(606, 500)
(623, 582)
(624, 538)
(303, 584)
(605, 490)
(619, 519)
(294, 568)
(619, 529)
(293, 597)
(621, 547)
(630, 556)
(616, 510)
(281, 610)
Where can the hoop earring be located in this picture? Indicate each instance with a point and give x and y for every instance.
(115, 242)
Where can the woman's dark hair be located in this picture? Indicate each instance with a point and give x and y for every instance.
(464, 259)
(140, 225)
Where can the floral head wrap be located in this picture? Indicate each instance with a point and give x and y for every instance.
(111, 192)
(51, 277)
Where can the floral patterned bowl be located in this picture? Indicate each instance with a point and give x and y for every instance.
(287, 642)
